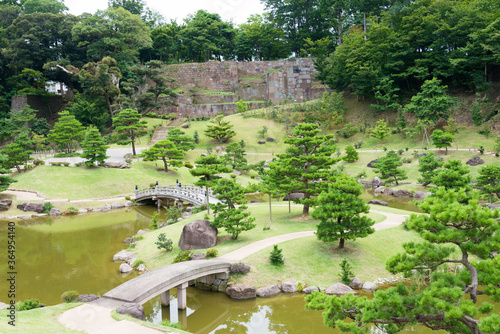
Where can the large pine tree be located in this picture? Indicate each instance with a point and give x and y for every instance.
(94, 149)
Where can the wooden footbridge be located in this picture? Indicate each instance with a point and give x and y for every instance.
(184, 193)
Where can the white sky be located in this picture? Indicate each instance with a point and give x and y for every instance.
(236, 10)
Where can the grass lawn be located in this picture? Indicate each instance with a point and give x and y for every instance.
(317, 263)
(41, 320)
(283, 223)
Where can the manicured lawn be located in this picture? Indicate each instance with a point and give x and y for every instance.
(41, 320)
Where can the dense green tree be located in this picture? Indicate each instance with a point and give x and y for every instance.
(43, 6)
(489, 180)
(41, 127)
(207, 167)
(428, 166)
(389, 167)
(442, 139)
(5, 180)
(219, 129)
(307, 161)
(67, 131)
(235, 156)
(453, 175)
(12, 126)
(431, 103)
(454, 221)
(129, 127)
(339, 212)
(381, 130)
(133, 6)
(166, 151)
(16, 156)
(180, 139)
(94, 149)
(351, 155)
(148, 88)
(167, 45)
(228, 215)
(91, 111)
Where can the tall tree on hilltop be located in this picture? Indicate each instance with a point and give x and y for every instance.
(306, 163)
(128, 126)
(339, 212)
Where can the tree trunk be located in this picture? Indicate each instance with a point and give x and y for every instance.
(165, 164)
(341, 243)
(339, 12)
(270, 212)
(446, 152)
(132, 138)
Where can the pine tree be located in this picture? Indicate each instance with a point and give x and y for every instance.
(442, 139)
(165, 151)
(381, 130)
(339, 211)
(428, 166)
(180, 139)
(351, 155)
(453, 175)
(94, 149)
(66, 132)
(489, 179)
(235, 156)
(128, 126)
(15, 155)
(220, 130)
(389, 165)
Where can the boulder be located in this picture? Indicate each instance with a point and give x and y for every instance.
(376, 182)
(269, 291)
(116, 164)
(492, 206)
(82, 211)
(186, 215)
(421, 155)
(86, 298)
(240, 291)
(5, 204)
(198, 256)
(117, 205)
(255, 201)
(236, 172)
(123, 255)
(125, 268)
(239, 268)
(129, 204)
(356, 284)
(141, 232)
(370, 286)
(54, 212)
(379, 190)
(270, 139)
(141, 268)
(403, 193)
(388, 191)
(289, 287)
(293, 196)
(339, 289)
(135, 310)
(310, 289)
(198, 235)
(31, 207)
(261, 142)
(102, 209)
(475, 161)
(371, 163)
(420, 194)
(189, 209)
(378, 202)
(24, 217)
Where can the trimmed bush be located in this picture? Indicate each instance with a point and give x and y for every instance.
(69, 296)
(127, 198)
(38, 162)
(188, 165)
(137, 263)
(29, 304)
(47, 206)
(183, 256)
(211, 253)
(164, 242)
(276, 257)
(79, 164)
(233, 176)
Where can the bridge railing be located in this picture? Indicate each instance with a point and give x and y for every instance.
(188, 192)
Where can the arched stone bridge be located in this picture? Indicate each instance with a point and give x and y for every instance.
(185, 193)
(159, 281)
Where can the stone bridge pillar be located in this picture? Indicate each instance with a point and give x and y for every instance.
(181, 296)
(165, 298)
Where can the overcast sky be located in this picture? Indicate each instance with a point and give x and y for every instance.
(236, 10)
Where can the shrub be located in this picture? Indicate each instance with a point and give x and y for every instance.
(66, 164)
(47, 206)
(55, 163)
(300, 287)
(127, 198)
(203, 207)
(358, 145)
(137, 263)
(69, 296)
(128, 160)
(175, 325)
(172, 116)
(188, 165)
(163, 242)
(211, 253)
(183, 256)
(29, 304)
(276, 257)
(72, 208)
(346, 275)
(154, 221)
(481, 149)
(79, 164)
(39, 162)
(401, 151)
(349, 130)
(233, 176)
(407, 160)
(173, 213)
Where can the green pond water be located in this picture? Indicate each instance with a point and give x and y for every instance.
(54, 255)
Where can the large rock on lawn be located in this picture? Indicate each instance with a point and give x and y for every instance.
(388, 191)
(420, 194)
(135, 310)
(294, 196)
(54, 212)
(310, 289)
(87, 298)
(30, 207)
(116, 164)
(378, 202)
(240, 291)
(117, 205)
(198, 235)
(403, 193)
(269, 291)
(125, 268)
(356, 284)
(123, 255)
(5, 204)
(369, 286)
(379, 190)
(339, 289)
(475, 161)
(289, 287)
(376, 182)
(239, 268)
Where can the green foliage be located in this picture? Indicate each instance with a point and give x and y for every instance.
(183, 256)
(72, 208)
(442, 139)
(180, 139)
(66, 132)
(263, 132)
(211, 253)
(386, 95)
(220, 130)
(339, 212)
(15, 155)
(489, 180)
(41, 127)
(12, 126)
(165, 243)
(351, 155)
(346, 274)
(196, 137)
(175, 325)
(94, 150)
(235, 156)
(166, 151)
(128, 126)
(154, 221)
(481, 149)
(137, 263)
(241, 106)
(69, 296)
(47, 206)
(389, 167)
(173, 213)
(431, 103)
(428, 166)
(453, 175)
(381, 130)
(29, 304)
(276, 257)
(348, 130)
